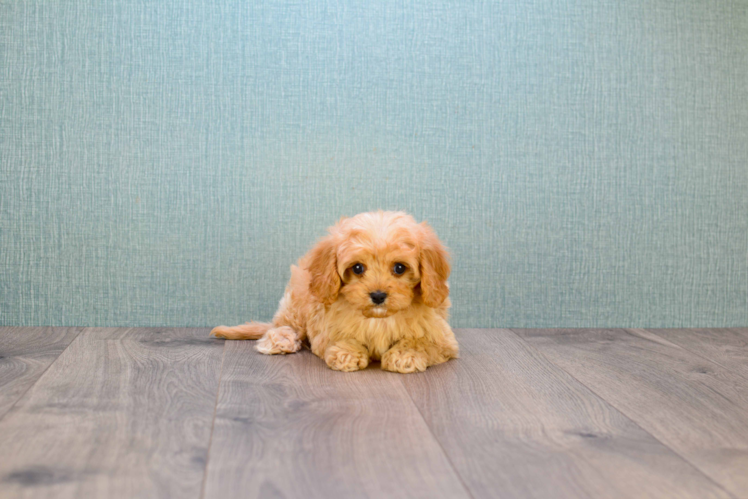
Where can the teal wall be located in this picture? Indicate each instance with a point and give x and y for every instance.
(163, 162)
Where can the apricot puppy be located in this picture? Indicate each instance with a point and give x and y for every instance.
(374, 288)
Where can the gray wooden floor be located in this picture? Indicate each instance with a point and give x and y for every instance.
(169, 412)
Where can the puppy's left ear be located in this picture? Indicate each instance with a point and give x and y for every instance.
(435, 268)
(325, 280)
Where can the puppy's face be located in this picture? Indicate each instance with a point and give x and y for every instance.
(380, 263)
(379, 275)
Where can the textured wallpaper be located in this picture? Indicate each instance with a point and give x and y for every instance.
(164, 162)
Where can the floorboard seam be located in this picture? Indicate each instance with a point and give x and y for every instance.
(633, 421)
(10, 409)
(702, 356)
(446, 455)
(213, 423)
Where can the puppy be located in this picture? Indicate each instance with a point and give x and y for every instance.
(374, 288)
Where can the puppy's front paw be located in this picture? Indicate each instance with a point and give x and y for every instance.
(346, 360)
(404, 360)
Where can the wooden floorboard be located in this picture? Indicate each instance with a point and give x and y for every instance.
(288, 426)
(694, 406)
(727, 347)
(515, 425)
(121, 413)
(108, 412)
(25, 353)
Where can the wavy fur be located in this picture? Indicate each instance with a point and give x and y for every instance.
(329, 306)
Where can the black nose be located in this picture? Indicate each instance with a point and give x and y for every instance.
(378, 297)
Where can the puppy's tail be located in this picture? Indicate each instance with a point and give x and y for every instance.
(247, 331)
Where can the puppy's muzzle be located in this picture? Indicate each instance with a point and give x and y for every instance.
(378, 297)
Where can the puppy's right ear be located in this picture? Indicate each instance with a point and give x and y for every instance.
(323, 267)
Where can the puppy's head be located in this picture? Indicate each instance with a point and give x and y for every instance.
(380, 262)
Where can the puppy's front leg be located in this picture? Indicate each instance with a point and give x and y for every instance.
(347, 356)
(406, 356)
(415, 355)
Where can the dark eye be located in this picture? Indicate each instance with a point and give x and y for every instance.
(399, 268)
(358, 269)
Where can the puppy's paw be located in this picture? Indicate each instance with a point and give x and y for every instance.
(281, 340)
(404, 360)
(346, 360)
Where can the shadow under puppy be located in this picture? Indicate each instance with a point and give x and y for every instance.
(374, 288)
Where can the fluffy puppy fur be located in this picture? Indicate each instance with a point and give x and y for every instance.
(332, 299)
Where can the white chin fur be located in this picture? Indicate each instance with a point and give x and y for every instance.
(377, 312)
